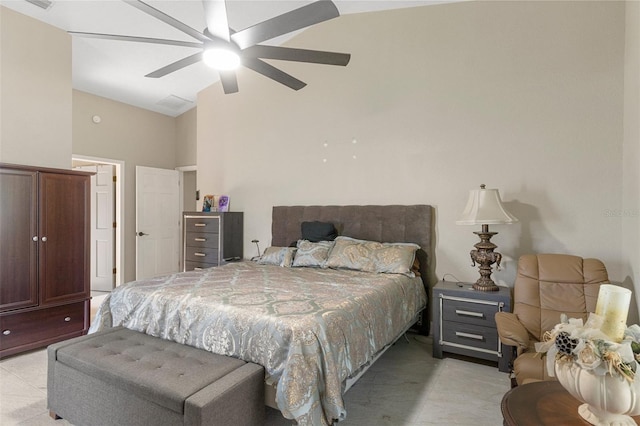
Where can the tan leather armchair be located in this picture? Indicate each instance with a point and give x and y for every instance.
(546, 286)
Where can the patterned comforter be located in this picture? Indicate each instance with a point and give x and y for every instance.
(310, 328)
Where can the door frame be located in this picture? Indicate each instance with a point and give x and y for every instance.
(119, 195)
(182, 170)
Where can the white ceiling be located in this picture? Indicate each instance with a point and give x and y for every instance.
(116, 69)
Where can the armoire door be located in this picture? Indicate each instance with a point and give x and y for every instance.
(18, 239)
(64, 237)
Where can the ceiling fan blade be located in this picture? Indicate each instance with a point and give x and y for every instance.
(150, 10)
(184, 62)
(273, 73)
(229, 81)
(215, 15)
(303, 17)
(137, 39)
(298, 55)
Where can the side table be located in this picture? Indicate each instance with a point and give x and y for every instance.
(542, 404)
(464, 323)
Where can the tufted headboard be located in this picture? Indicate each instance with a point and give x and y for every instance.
(391, 224)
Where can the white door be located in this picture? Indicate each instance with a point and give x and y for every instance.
(157, 222)
(102, 226)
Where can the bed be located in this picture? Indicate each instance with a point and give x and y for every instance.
(313, 329)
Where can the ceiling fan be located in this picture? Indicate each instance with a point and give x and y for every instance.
(224, 49)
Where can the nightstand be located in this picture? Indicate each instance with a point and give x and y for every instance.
(463, 322)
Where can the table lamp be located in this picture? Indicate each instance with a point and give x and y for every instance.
(485, 208)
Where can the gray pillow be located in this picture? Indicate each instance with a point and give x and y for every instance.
(318, 231)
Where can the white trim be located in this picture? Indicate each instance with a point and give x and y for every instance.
(120, 196)
(187, 168)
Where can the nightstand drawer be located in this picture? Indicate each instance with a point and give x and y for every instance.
(201, 255)
(205, 224)
(201, 239)
(476, 312)
(471, 335)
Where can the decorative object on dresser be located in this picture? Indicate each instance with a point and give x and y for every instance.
(211, 239)
(463, 322)
(485, 208)
(45, 257)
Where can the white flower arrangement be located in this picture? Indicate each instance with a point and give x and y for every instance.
(590, 348)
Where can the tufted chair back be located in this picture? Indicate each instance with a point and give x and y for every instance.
(546, 286)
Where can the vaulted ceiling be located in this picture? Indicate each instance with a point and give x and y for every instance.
(116, 69)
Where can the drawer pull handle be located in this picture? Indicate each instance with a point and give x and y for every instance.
(67, 319)
(199, 254)
(470, 313)
(469, 335)
(6, 332)
(200, 224)
(197, 269)
(201, 240)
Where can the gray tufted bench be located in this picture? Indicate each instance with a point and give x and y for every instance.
(122, 377)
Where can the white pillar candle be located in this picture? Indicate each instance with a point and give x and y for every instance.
(613, 307)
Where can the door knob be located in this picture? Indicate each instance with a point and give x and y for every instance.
(141, 234)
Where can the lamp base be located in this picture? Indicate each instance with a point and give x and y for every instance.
(484, 256)
(485, 285)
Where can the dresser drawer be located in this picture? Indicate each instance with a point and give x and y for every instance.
(471, 312)
(205, 224)
(201, 239)
(23, 328)
(202, 255)
(198, 266)
(470, 335)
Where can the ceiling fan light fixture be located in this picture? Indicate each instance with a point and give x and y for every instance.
(221, 59)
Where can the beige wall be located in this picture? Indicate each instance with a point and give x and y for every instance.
(186, 138)
(523, 96)
(136, 136)
(630, 215)
(35, 64)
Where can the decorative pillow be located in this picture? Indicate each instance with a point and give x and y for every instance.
(371, 256)
(312, 254)
(281, 256)
(318, 231)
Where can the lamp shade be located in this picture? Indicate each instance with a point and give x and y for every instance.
(484, 207)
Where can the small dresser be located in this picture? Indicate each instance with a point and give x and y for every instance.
(211, 239)
(464, 323)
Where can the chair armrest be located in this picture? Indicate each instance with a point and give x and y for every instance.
(511, 331)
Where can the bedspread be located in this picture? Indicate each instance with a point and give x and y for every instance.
(310, 328)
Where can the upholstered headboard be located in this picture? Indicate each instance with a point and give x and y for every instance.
(392, 224)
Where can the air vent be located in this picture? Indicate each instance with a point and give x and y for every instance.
(174, 102)
(43, 4)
